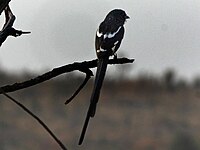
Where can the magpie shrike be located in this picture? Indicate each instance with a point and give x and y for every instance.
(108, 39)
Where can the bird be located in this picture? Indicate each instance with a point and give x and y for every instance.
(107, 41)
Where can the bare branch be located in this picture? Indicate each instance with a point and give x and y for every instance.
(87, 77)
(3, 4)
(36, 118)
(80, 66)
(8, 29)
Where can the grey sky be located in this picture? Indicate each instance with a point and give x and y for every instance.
(160, 34)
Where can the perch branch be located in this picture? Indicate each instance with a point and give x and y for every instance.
(36, 118)
(81, 66)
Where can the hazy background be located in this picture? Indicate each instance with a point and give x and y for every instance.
(146, 113)
(160, 34)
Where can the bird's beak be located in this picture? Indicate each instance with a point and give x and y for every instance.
(127, 17)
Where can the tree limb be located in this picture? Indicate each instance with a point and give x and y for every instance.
(62, 146)
(3, 4)
(80, 66)
(8, 29)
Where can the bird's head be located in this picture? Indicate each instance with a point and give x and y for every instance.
(118, 15)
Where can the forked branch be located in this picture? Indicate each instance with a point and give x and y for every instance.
(80, 66)
(8, 29)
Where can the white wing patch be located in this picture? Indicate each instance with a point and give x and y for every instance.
(116, 43)
(111, 35)
(99, 34)
(101, 50)
(113, 48)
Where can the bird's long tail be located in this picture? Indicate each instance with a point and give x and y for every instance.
(100, 74)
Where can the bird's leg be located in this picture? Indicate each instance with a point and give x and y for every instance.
(115, 56)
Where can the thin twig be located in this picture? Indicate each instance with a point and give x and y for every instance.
(79, 89)
(36, 118)
(8, 29)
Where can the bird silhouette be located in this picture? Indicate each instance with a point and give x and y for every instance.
(108, 39)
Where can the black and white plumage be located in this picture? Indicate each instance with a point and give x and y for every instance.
(108, 39)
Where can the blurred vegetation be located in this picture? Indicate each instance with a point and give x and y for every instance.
(147, 112)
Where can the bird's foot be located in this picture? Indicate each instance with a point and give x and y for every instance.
(115, 56)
